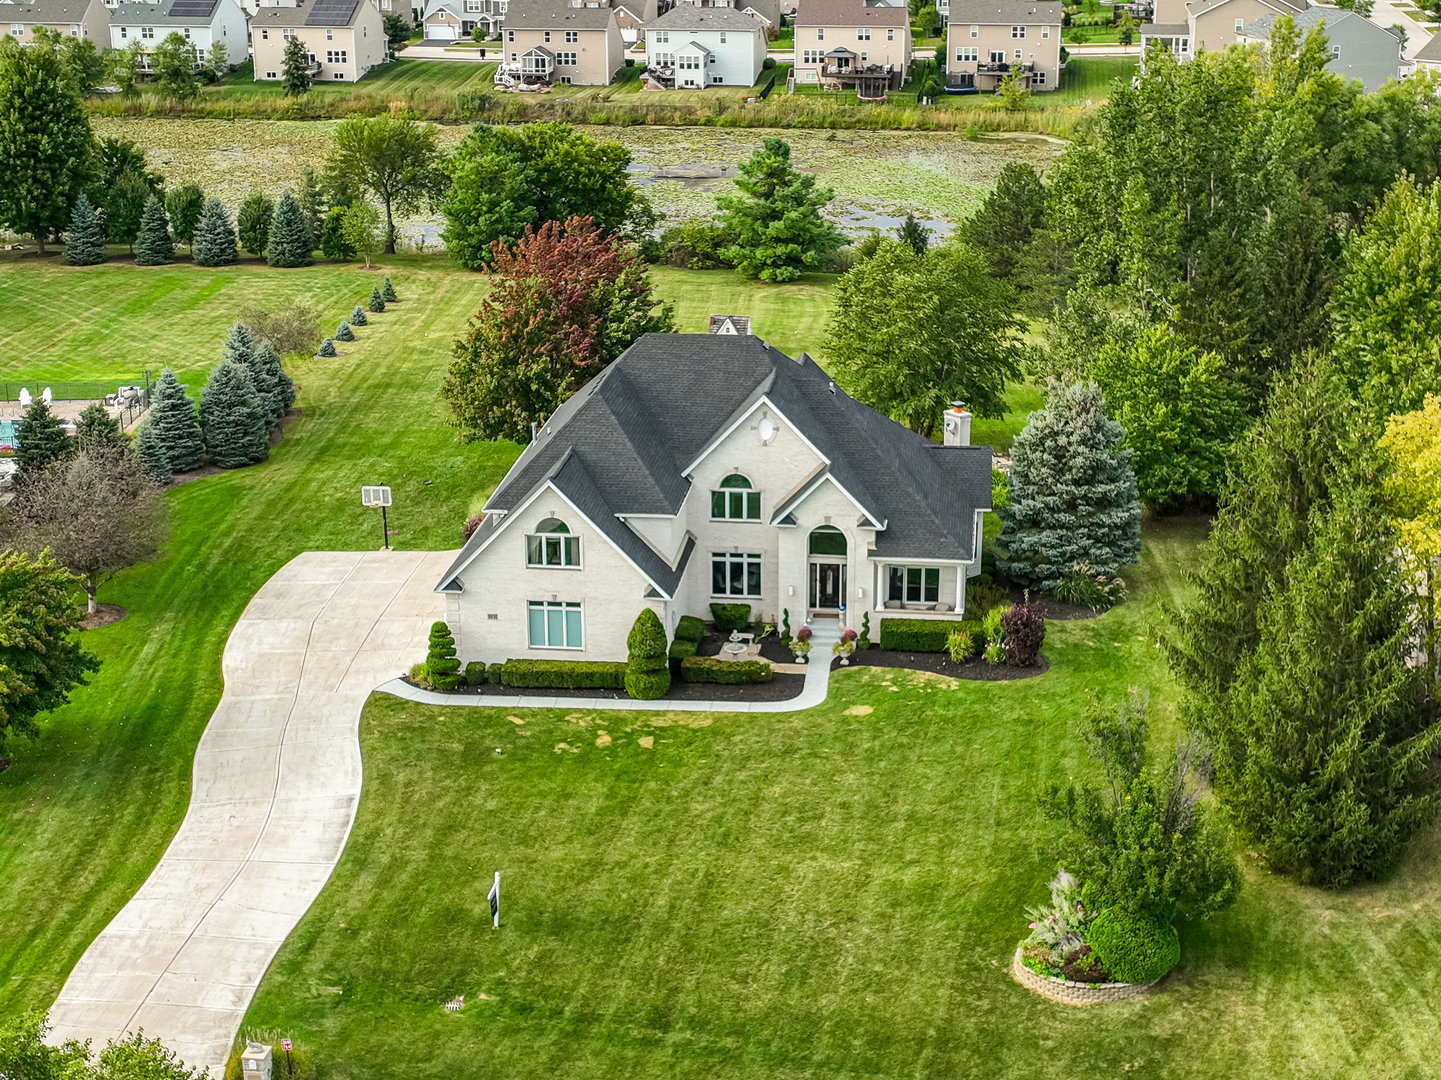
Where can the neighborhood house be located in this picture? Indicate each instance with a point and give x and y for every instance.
(68, 18)
(703, 468)
(692, 47)
(343, 39)
(559, 41)
(203, 23)
(1185, 26)
(986, 40)
(856, 45)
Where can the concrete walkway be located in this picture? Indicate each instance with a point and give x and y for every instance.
(818, 676)
(276, 783)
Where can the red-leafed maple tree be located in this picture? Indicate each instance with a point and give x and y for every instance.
(563, 303)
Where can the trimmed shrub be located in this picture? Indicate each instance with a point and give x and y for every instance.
(152, 245)
(475, 673)
(377, 302)
(494, 673)
(689, 628)
(344, 333)
(679, 650)
(921, 635)
(647, 676)
(708, 669)
(418, 675)
(864, 642)
(564, 674)
(1023, 631)
(388, 292)
(728, 617)
(214, 243)
(785, 634)
(1132, 947)
(85, 239)
(327, 348)
(441, 665)
(357, 317)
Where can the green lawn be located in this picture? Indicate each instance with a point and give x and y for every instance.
(401, 77)
(86, 813)
(834, 893)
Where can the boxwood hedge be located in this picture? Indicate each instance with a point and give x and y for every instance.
(730, 617)
(707, 669)
(926, 635)
(564, 674)
(689, 628)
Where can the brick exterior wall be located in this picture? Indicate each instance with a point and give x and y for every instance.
(1073, 993)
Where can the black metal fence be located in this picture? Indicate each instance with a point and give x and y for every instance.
(74, 390)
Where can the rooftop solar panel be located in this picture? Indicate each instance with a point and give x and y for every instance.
(331, 12)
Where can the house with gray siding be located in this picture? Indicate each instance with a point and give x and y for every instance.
(1360, 49)
(701, 468)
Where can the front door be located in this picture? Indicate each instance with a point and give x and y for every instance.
(828, 586)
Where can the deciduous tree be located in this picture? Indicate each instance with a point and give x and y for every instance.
(566, 302)
(1413, 486)
(361, 230)
(173, 64)
(97, 511)
(504, 179)
(393, 157)
(252, 224)
(909, 334)
(183, 205)
(46, 147)
(776, 217)
(291, 326)
(1073, 495)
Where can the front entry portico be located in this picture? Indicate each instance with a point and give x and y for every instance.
(826, 557)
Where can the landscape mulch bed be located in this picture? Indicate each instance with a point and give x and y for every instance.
(939, 663)
(1051, 608)
(772, 648)
(105, 615)
(780, 688)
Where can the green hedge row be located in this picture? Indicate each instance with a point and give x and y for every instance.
(728, 617)
(926, 635)
(707, 669)
(689, 629)
(564, 674)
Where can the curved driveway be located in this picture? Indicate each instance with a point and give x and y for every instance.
(276, 783)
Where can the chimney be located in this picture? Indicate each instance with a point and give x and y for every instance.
(956, 425)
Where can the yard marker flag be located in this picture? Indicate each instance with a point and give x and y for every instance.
(494, 897)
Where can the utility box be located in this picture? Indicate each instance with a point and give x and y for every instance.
(257, 1062)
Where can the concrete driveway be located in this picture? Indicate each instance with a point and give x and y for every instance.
(276, 783)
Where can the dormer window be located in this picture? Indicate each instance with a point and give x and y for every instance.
(552, 545)
(734, 500)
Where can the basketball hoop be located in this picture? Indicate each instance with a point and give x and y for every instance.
(374, 505)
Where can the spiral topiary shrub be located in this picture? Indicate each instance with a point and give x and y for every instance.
(357, 317)
(647, 673)
(441, 666)
(1133, 948)
(344, 333)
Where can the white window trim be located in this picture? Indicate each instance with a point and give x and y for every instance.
(545, 605)
(744, 558)
(905, 570)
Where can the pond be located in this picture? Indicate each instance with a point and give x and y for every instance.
(877, 176)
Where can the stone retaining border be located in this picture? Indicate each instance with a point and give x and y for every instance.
(1074, 993)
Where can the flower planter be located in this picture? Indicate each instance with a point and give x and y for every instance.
(1067, 992)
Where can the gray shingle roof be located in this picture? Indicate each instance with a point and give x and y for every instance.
(620, 446)
(850, 13)
(1431, 50)
(302, 15)
(159, 14)
(549, 14)
(46, 11)
(687, 17)
(1333, 17)
(1005, 12)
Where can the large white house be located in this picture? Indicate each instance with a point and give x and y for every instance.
(704, 468)
(691, 47)
(203, 23)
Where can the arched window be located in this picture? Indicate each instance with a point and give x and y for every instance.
(552, 545)
(827, 540)
(734, 500)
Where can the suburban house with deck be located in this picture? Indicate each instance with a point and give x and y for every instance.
(691, 47)
(1185, 26)
(68, 18)
(860, 45)
(986, 40)
(559, 41)
(345, 39)
(703, 468)
(454, 20)
(203, 23)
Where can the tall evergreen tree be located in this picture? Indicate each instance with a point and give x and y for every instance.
(290, 241)
(98, 433)
(152, 246)
(46, 146)
(151, 452)
(233, 418)
(311, 197)
(387, 291)
(270, 379)
(40, 439)
(214, 243)
(253, 222)
(1009, 216)
(172, 415)
(85, 240)
(1073, 496)
(776, 217)
(295, 68)
(240, 343)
